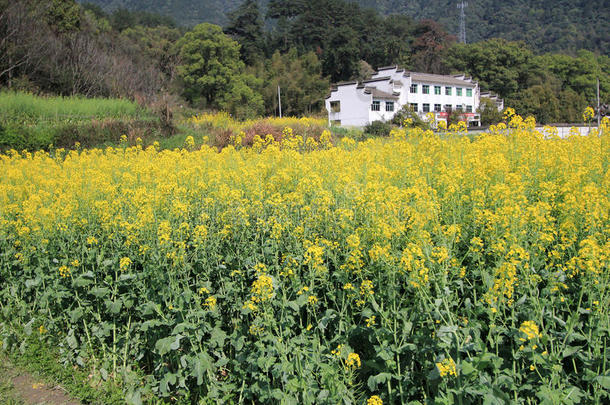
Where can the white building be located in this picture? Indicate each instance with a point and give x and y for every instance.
(390, 88)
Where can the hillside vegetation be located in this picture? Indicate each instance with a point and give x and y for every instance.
(32, 122)
(545, 25)
(301, 47)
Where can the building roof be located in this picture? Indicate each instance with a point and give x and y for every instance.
(379, 94)
(344, 83)
(377, 79)
(440, 79)
(387, 68)
(492, 96)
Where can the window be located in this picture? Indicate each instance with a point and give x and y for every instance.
(458, 108)
(426, 108)
(447, 91)
(414, 88)
(468, 108)
(437, 90)
(414, 107)
(335, 106)
(448, 107)
(376, 106)
(425, 89)
(458, 91)
(389, 106)
(468, 92)
(437, 107)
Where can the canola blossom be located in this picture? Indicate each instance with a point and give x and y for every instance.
(411, 268)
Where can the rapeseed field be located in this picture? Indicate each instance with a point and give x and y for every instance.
(415, 269)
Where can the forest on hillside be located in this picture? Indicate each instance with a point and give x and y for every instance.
(545, 25)
(61, 47)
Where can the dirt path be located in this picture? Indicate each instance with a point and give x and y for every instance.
(20, 387)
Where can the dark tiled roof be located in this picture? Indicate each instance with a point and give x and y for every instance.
(380, 94)
(387, 68)
(379, 79)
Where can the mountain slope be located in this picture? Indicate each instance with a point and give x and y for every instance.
(545, 25)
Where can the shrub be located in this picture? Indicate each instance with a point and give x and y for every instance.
(407, 116)
(378, 128)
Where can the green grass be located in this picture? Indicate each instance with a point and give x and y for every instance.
(41, 358)
(25, 107)
(8, 396)
(30, 122)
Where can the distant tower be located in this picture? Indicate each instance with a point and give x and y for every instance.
(462, 6)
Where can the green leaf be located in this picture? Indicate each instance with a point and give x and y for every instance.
(108, 262)
(114, 306)
(167, 380)
(76, 314)
(293, 305)
(32, 283)
(100, 292)
(218, 337)
(323, 395)
(201, 363)
(467, 368)
(71, 340)
(239, 343)
(570, 350)
(133, 398)
(375, 380)
(604, 381)
(81, 281)
(168, 344)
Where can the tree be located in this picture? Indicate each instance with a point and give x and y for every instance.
(246, 27)
(210, 68)
(499, 65)
(429, 47)
(241, 99)
(396, 41)
(580, 73)
(300, 79)
(571, 106)
(539, 101)
(24, 39)
(489, 112)
(341, 54)
(158, 44)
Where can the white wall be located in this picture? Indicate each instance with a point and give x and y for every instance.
(441, 99)
(382, 114)
(355, 106)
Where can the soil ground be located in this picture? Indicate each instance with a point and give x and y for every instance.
(18, 387)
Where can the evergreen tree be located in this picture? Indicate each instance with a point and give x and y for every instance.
(246, 27)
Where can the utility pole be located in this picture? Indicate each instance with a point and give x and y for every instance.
(279, 99)
(462, 6)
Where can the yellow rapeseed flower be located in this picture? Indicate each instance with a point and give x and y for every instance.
(210, 302)
(374, 400)
(447, 367)
(530, 329)
(353, 360)
(124, 263)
